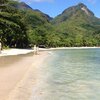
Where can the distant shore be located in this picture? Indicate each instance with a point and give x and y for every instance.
(16, 51)
(73, 48)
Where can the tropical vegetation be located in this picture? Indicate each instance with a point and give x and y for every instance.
(22, 27)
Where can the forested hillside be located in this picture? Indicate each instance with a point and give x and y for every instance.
(22, 27)
(79, 25)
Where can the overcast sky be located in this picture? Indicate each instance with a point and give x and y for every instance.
(55, 7)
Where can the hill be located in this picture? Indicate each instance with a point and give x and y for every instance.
(22, 27)
(24, 7)
(79, 25)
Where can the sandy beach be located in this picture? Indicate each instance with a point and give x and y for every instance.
(59, 48)
(14, 51)
(17, 80)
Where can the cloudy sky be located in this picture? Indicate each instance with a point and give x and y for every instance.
(55, 7)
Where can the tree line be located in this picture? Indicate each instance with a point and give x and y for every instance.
(21, 28)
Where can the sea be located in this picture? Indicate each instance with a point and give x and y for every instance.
(69, 74)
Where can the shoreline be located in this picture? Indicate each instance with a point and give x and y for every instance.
(17, 79)
(24, 74)
(24, 88)
(16, 51)
(60, 48)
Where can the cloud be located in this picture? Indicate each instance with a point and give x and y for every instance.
(92, 1)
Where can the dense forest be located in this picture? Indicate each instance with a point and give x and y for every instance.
(22, 27)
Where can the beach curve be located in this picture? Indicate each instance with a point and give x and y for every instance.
(17, 79)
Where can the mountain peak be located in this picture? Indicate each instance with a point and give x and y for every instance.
(81, 5)
(84, 8)
(24, 6)
(80, 10)
(20, 5)
(74, 9)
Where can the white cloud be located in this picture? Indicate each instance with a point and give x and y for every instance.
(92, 1)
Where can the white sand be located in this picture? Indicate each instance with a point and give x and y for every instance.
(24, 88)
(15, 52)
(25, 51)
(17, 79)
(58, 48)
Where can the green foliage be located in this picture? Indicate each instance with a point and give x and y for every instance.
(79, 26)
(22, 27)
(12, 28)
(3, 1)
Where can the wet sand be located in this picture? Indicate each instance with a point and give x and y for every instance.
(17, 75)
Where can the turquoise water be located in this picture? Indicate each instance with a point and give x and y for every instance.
(70, 75)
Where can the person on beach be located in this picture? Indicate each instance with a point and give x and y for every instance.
(35, 50)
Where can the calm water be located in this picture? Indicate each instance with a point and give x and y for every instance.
(69, 75)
